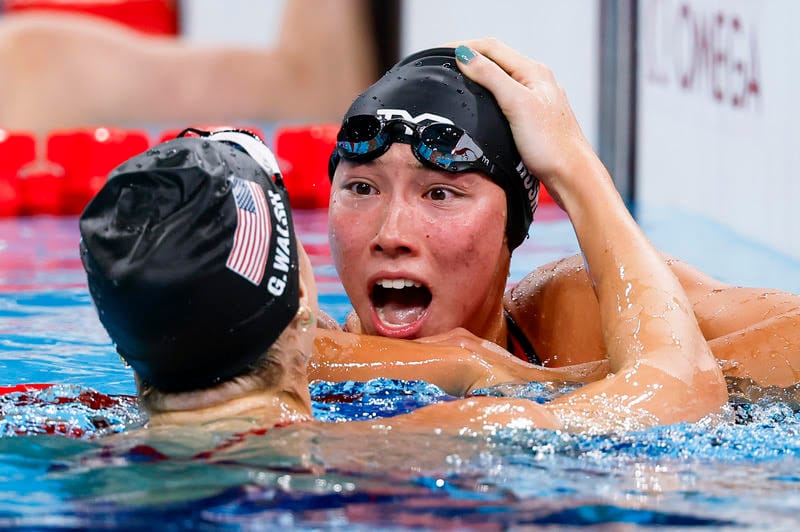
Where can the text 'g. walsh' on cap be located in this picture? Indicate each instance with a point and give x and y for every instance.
(191, 259)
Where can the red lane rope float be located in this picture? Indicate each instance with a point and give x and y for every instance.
(26, 387)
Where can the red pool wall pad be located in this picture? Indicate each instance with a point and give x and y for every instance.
(87, 157)
(58, 175)
(303, 154)
(16, 151)
(154, 17)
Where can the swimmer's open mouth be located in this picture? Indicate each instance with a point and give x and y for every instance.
(400, 302)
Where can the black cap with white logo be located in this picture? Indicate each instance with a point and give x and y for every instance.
(191, 259)
(427, 87)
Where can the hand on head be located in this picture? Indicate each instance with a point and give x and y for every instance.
(545, 129)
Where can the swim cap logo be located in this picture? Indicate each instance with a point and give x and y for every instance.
(282, 259)
(390, 114)
(529, 182)
(248, 254)
(466, 150)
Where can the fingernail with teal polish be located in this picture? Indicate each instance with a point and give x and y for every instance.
(464, 54)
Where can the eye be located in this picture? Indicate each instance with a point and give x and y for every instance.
(361, 188)
(440, 194)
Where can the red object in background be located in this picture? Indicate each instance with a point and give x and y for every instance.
(170, 134)
(30, 387)
(544, 196)
(41, 187)
(87, 156)
(156, 17)
(303, 154)
(16, 150)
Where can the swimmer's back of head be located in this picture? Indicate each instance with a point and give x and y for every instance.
(191, 259)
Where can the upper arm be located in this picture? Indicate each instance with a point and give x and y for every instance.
(666, 388)
(480, 414)
(556, 308)
(722, 308)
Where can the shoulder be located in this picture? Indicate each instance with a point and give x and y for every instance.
(556, 308)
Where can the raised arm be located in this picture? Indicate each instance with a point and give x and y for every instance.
(664, 369)
(753, 332)
(459, 363)
(62, 70)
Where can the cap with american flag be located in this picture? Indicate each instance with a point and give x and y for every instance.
(191, 259)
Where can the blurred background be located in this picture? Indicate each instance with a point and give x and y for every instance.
(690, 103)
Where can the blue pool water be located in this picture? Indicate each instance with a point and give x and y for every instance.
(741, 471)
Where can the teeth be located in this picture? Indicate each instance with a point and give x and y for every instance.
(398, 284)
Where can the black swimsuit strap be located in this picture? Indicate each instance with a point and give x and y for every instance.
(518, 343)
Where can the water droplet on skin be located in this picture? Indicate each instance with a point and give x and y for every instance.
(460, 91)
(464, 104)
(418, 64)
(138, 165)
(374, 97)
(446, 65)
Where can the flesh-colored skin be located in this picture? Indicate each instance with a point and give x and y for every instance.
(393, 218)
(459, 368)
(613, 405)
(753, 333)
(64, 70)
(661, 364)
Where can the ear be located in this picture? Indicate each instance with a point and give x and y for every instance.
(303, 292)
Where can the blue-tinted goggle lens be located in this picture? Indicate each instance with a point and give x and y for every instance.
(441, 146)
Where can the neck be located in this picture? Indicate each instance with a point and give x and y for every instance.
(490, 321)
(263, 409)
(496, 328)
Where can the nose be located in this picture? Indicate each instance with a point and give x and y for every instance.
(396, 235)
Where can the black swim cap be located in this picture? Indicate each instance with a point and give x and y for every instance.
(427, 87)
(191, 259)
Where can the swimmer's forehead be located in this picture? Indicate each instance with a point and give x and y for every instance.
(386, 166)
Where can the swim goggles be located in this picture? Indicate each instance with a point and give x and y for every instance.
(438, 145)
(244, 141)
